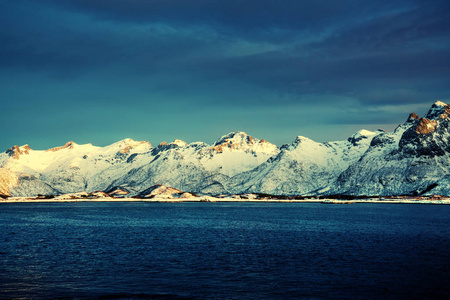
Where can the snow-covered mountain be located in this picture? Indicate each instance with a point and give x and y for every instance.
(65, 169)
(235, 153)
(198, 167)
(303, 167)
(133, 165)
(414, 159)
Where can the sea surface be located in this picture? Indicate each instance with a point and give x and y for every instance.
(144, 250)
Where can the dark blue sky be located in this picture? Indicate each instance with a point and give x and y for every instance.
(100, 71)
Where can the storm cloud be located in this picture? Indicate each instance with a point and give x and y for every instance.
(105, 70)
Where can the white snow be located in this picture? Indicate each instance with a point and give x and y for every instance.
(363, 133)
(179, 143)
(436, 110)
(440, 103)
(236, 163)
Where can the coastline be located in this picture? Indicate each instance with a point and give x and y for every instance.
(444, 201)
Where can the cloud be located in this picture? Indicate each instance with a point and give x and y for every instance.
(216, 56)
(249, 13)
(216, 38)
(65, 42)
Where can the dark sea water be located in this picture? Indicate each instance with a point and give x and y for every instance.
(224, 251)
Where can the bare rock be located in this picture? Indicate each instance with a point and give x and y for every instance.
(413, 116)
(15, 151)
(68, 145)
(425, 126)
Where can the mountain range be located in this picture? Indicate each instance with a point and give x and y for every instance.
(412, 160)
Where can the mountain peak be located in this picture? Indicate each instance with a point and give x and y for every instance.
(242, 141)
(127, 144)
(439, 110)
(361, 135)
(413, 116)
(233, 134)
(233, 141)
(179, 143)
(68, 145)
(440, 103)
(298, 140)
(15, 151)
(175, 142)
(131, 142)
(164, 146)
(127, 141)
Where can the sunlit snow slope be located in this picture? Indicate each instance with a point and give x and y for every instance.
(414, 159)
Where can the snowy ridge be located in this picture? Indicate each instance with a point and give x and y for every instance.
(242, 142)
(235, 153)
(414, 159)
(303, 167)
(136, 165)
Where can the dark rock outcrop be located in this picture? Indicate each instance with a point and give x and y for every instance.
(15, 151)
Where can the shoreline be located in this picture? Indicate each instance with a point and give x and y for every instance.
(444, 201)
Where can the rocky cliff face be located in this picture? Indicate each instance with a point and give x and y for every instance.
(15, 152)
(414, 159)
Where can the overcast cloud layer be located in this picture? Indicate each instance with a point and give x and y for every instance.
(100, 71)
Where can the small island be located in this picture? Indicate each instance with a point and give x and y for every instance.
(161, 193)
